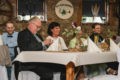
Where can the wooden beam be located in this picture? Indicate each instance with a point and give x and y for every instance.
(70, 71)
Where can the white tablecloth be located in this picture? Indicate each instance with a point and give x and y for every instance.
(78, 58)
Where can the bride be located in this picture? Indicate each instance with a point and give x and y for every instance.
(58, 43)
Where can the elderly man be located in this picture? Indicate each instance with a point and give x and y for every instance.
(29, 40)
(10, 40)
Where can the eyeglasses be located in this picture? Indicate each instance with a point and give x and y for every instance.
(36, 25)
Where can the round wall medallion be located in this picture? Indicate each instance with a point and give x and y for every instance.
(64, 9)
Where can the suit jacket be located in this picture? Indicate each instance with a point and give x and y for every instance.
(28, 42)
(100, 38)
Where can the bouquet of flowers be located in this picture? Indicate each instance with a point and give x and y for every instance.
(75, 29)
(77, 43)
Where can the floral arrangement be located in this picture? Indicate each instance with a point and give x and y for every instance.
(75, 29)
(105, 44)
(78, 41)
(110, 33)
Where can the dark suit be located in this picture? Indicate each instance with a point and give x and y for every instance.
(100, 38)
(28, 42)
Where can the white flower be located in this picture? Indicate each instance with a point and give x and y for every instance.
(78, 28)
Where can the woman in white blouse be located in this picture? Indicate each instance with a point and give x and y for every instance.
(58, 44)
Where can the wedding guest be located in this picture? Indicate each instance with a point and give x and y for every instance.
(10, 39)
(97, 38)
(96, 69)
(57, 45)
(29, 40)
(96, 35)
(77, 40)
(4, 60)
(112, 67)
(54, 35)
(74, 45)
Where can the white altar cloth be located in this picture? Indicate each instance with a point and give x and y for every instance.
(78, 58)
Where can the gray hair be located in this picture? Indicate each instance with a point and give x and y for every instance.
(34, 19)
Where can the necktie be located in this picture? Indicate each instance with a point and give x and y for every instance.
(39, 40)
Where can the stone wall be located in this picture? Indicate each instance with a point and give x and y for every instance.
(66, 23)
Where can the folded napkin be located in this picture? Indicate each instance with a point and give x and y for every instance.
(118, 56)
(1, 42)
(55, 46)
(113, 46)
(92, 47)
(84, 41)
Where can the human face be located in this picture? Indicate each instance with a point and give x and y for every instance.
(55, 31)
(10, 28)
(36, 26)
(97, 29)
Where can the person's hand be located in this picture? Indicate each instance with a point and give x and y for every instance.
(48, 42)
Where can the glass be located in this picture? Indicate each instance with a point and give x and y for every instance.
(97, 11)
(30, 8)
(36, 25)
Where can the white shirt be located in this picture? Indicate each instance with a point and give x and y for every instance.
(11, 41)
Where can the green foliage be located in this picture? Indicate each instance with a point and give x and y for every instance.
(70, 32)
(110, 33)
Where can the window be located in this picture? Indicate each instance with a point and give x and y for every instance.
(30, 8)
(94, 11)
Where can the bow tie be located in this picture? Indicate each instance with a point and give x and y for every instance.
(9, 36)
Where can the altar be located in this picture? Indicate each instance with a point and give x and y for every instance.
(69, 59)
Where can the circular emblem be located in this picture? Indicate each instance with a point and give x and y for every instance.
(64, 9)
